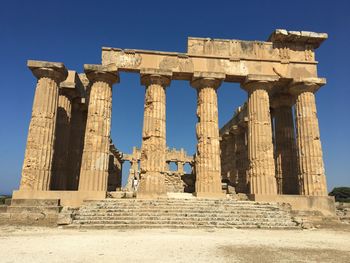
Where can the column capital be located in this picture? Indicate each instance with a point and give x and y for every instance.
(207, 79)
(253, 82)
(45, 69)
(155, 76)
(281, 100)
(306, 85)
(236, 129)
(107, 73)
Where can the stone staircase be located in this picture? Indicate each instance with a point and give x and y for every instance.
(181, 213)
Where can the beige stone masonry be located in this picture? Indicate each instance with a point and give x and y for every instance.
(94, 167)
(153, 149)
(37, 165)
(260, 148)
(286, 164)
(207, 159)
(290, 54)
(310, 158)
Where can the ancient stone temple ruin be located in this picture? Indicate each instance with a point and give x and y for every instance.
(267, 151)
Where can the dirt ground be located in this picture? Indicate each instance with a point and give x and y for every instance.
(34, 244)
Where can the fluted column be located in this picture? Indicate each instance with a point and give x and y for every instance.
(231, 149)
(309, 150)
(260, 148)
(37, 165)
(94, 167)
(76, 141)
(60, 167)
(241, 158)
(207, 159)
(286, 165)
(153, 149)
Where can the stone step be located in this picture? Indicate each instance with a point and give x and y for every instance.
(183, 213)
(182, 219)
(171, 210)
(221, 215)
(204, 203)
(175, 201)
(187, 222)
(172, 226)
(189, 213)
(179, 205)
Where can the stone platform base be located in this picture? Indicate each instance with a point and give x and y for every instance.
(322, 204)
(181, 195)
(210, 195)
(67, 198)
(36, 212)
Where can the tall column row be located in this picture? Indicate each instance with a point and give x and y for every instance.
(298, 166)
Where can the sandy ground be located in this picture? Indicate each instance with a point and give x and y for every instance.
(34, 244)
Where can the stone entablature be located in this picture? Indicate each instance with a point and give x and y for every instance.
(282, 46)
(281, 56)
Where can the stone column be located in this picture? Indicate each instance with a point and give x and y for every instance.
(241, 160)
(94, 167)
(223, 156)
(76, 141)
(286, 165)
(231, 150)
(260, 148)
(37, 165)
(207, 159)
(60, 168)
(309, 150)
(153, 149)
(180, 167)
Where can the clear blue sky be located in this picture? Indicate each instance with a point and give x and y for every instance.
(73, 32)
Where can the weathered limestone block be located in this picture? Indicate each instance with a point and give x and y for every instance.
(37, 165)
(286, 163)
(309, 150)
(207, 160)
(153, 149)
(174, 183)
(94, 167)
(260, 148)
